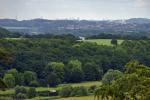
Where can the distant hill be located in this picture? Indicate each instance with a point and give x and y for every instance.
(138, 21)
(77, 27)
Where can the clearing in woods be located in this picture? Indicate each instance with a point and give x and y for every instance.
(102, 41)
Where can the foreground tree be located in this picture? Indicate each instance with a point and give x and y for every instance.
(134, 84)
(74, 72)
(111, 75)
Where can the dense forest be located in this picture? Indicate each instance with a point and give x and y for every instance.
(63, 59)
(49, 60)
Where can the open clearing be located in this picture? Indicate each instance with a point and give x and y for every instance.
(40, 89)
(69, 98)
(102, 41)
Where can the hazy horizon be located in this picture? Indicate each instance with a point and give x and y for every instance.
(74, 9)
(71, 19)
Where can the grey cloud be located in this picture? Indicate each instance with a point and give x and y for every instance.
(27, 9)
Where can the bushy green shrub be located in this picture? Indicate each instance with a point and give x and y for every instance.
(83, 91)
(31, 92)
(21, 96)
(65, 91)
(79, 91)
(74, 92)
(68, 91)
(34, 83)
(20, 89)
(9, 79)
(92, 88)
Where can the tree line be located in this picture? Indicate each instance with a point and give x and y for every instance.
(56, 60)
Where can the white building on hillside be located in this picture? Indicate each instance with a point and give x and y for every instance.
(81, 38)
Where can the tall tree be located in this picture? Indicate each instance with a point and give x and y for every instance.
(134, 84)
(9, 79)
(74, 72)
(29, 76)
(58, 68)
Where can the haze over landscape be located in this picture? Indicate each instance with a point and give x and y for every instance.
(83, 9)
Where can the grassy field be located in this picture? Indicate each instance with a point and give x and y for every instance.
(86, 84)
(15, 38)
(102, 41)
(77, 98)
(8, 91)
(40, 89)
(69, 98)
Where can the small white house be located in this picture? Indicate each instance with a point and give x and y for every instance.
(81, 38)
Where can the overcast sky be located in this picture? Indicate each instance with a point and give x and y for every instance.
(83, 9)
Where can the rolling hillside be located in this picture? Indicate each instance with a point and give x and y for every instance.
(77, 27)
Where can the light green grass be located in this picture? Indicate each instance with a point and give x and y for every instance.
(86, 84)
(45, 98)
(9, 91)
(59, 98)
(102, 41)
(14, 38)
(78, 98)
(40, 89)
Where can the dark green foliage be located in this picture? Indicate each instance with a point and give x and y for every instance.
(20, 89)
(74, 72)
(83, 91)
(68, 91)
(68, 59)
(31, 92)
(5, 56)
(34, 83)
(9, 79)
(19, 79)
(134, 84)
(79, 91)
(29, 77)
(92, 89)
(126, 36)
(92, 71)
(21, 96)
(23, 93)
(12, 77)
(65, 91)
(114, 41)
(52, 79)
(3, 85)
(57, 68)
(111, 75)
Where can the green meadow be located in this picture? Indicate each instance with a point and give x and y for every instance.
(102, 41)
